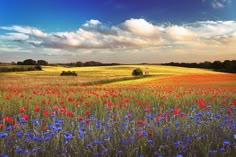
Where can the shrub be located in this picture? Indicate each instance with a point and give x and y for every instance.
(68, 73)
(137, 72)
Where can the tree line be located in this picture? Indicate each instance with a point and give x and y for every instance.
(225, 66)
(32, 62)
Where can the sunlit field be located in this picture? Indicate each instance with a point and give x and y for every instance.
(104, 111)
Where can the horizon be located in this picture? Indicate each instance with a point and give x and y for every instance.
(115, 31)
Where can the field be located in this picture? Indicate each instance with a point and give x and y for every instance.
(104, 111)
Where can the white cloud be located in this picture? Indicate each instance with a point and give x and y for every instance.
(137, 34)
(216, 4)
(14, 36)
(140, 27)
(92, 22)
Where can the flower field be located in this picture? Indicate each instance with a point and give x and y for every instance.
(167, 116)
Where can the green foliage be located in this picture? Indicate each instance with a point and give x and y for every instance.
(137, 72)
(68, 73)
(18, 68)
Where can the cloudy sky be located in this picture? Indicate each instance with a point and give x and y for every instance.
(123, 31)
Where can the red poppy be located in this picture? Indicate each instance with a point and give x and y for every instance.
(8, 119)
(15, 125)
(55, 108)
(69, 114)
(201, 103)
(71, 99)
(76, 104)
(44, 102)
(147, 109)
(176, 111)
(139, 134)
(80, 118)
(86, 121)
(36, 109)
(25, 116)
(45, 112)
(87, 112)
(139, 122)
(22, 109)
(114, 115)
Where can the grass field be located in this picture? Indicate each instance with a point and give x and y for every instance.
(172, 112)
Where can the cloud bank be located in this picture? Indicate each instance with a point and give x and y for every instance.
(131, 33)
(201, 38)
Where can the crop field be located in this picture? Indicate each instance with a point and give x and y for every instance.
(104, 111)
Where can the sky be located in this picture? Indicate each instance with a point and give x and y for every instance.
(120, 31)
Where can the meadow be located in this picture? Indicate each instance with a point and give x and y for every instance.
(104, 111)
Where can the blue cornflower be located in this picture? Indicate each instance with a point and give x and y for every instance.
(119, 152)
(19, 133)
(98, 125)
(36, 122)
(3, 134)
(177, 123)
(68, 136)
(104, 151)
(222, 149)
(35, 149)
(19, 150)
(97, 142)
(4, 155)
(179, 155)
(226, 142)
(125, 142)
(22, 121)
(26, 152)
(9, 127)
(89, 146)
(131, 138)
(217, 116)
(58, 122)
(150, 141)
(145, 133)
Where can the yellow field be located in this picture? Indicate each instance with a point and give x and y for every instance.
(115, 74)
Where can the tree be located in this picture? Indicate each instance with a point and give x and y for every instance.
(29, 62)
(137, 72)
(42, 62)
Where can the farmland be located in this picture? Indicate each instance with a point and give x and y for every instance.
(104, 111)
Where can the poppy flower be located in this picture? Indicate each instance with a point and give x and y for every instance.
(25, 117)
(86, 112)
(8, 119)
(36, 109)
(176, 111)
(201, 103)
(45, 112)
(147, 109)
(22, 109)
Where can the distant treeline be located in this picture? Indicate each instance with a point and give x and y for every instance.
(32, 62)
(17, 68)
(89, 63)
(225, 66)
(26, 65)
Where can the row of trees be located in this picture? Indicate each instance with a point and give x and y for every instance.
(225, 66)
(32, 62)
(89, 63)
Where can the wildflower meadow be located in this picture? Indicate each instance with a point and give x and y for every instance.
(167, 116)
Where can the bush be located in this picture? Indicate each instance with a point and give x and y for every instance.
(68, 73)
(137, 72)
